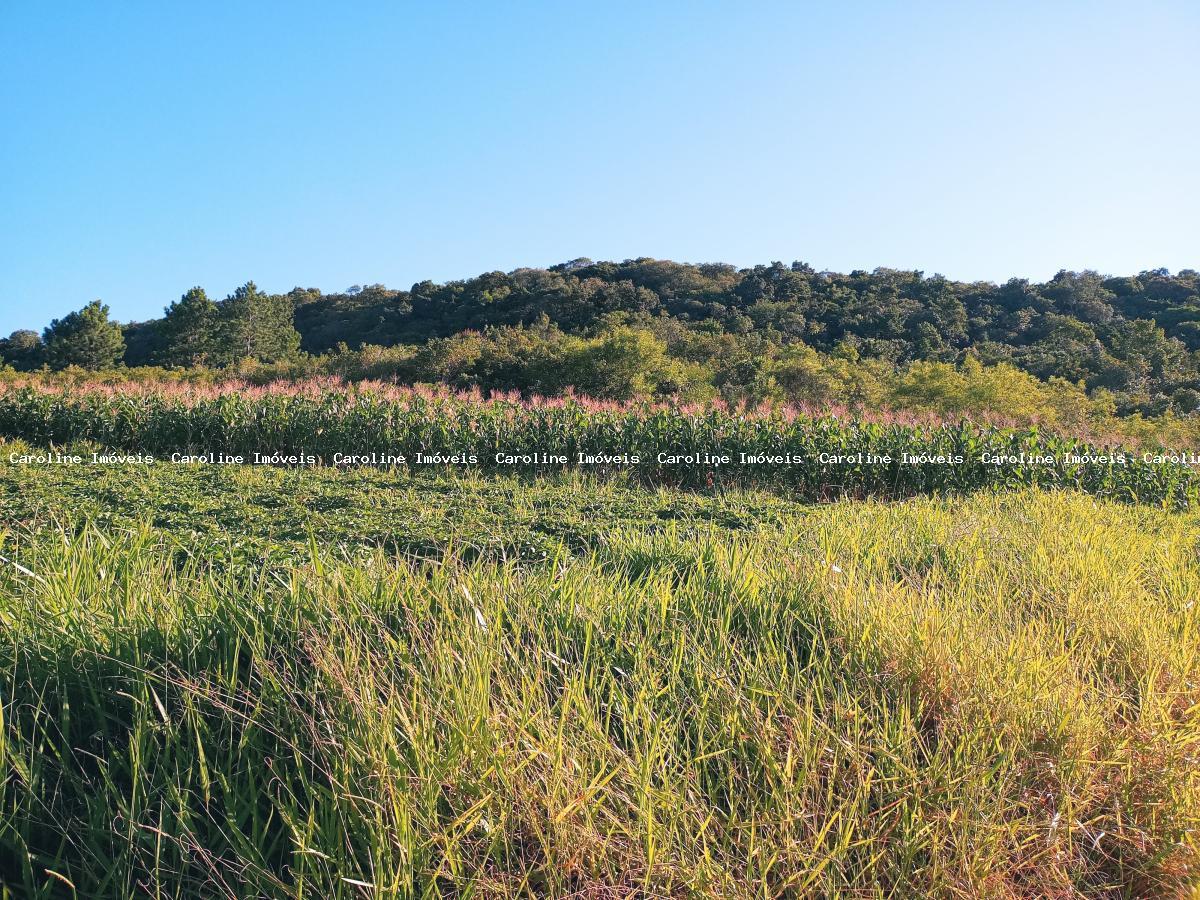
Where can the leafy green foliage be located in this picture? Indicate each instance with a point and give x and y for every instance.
(22, 350)
(1133, 342)
(189, 330)
(1136, 338)
(255, 326)
(85, 338)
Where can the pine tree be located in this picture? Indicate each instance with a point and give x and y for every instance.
(85, 338)
(189, 330)
(257, 326)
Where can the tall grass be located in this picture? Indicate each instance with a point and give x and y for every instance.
(986, 697)
(322, 421)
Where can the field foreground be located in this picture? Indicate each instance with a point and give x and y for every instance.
(992, 696)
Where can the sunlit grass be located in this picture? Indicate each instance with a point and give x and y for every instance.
(986, 697)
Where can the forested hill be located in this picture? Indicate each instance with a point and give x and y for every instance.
(894, 314)
(1137, 336)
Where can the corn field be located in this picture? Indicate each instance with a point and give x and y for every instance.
(808, 457)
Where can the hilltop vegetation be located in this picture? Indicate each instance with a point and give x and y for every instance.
(654, 328)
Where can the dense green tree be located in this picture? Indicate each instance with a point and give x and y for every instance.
(626, 363)
(22, 350)
(85, 338)
(258, 326)
(188, 331)
(1143, 340)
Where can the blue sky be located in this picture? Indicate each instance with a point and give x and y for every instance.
(149, 147)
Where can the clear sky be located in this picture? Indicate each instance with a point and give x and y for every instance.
(148, 147)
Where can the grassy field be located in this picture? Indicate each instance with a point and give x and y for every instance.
(256, 510)
(253, 682)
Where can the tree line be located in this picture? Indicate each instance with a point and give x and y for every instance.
(657, 327)
(194, 331)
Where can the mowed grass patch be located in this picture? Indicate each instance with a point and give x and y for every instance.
(269, 509)
(993, 696)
